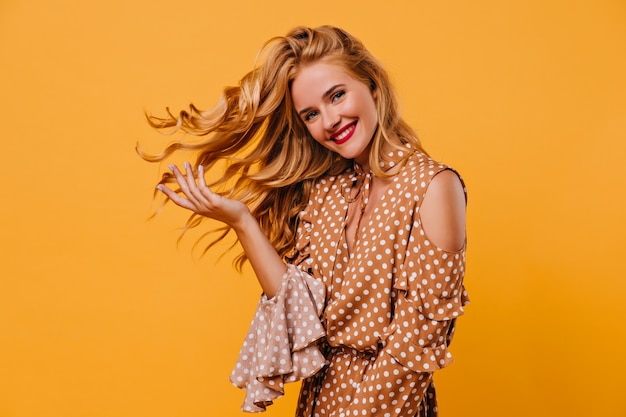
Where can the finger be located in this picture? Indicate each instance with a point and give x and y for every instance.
(204, 189)
(177, 199)
(183, 182)
(195, 189)
(180, 178)
(201, 180)
(189, 177)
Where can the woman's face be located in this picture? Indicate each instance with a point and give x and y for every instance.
(338, 110)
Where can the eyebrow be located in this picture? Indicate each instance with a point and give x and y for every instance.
(326, 94)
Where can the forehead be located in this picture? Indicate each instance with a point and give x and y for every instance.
(313, 80)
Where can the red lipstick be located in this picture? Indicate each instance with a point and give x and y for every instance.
(344, 134)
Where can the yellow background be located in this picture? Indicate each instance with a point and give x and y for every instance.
(101, 314)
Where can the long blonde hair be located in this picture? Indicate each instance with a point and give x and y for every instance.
(271, 160)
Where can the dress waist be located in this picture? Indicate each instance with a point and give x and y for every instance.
(369, 353)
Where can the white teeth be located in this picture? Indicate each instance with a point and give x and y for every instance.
(344, 133)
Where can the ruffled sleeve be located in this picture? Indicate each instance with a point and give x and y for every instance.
(281, 344)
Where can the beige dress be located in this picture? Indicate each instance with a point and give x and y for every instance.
(363, 330)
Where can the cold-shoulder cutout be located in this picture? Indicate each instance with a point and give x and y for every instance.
(442, 212)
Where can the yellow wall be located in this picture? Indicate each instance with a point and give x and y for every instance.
(102, 315)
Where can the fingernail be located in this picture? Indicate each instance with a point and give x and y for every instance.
(187, 165)
(159, 187)
(171, 167)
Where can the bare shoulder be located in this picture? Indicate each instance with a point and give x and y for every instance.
(443, 211)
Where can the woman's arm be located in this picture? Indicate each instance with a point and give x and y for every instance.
(197, 197)
(443, 211)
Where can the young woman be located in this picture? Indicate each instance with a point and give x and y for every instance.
(356, 236)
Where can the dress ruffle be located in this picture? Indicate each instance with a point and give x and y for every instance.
(281, 343)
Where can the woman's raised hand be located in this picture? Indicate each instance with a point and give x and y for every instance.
(197, 197)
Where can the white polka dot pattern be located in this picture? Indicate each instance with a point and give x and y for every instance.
(281, 343)
(390, 305)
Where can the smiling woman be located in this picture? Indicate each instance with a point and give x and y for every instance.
(356, 236)
(338, 110)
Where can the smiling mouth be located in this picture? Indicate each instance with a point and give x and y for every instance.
(344, 134)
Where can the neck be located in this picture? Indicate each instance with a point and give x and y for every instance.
(364, 162)
(364, 167)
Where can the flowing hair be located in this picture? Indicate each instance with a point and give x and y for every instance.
(271, 160)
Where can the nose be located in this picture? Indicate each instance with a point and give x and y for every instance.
(331, 120)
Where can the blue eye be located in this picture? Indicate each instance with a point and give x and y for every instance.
(338, 95)
(310, 115)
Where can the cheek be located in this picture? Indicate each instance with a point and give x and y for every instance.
(366, 108)
(373, 111)
(315, 131)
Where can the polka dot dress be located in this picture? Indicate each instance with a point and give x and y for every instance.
(387, 309)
